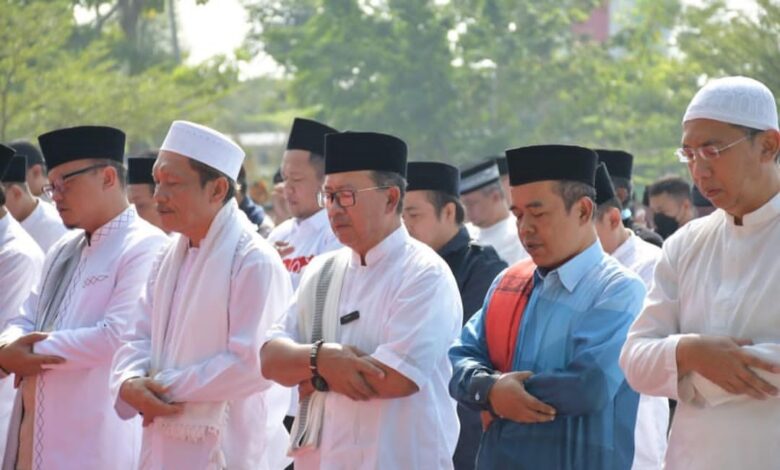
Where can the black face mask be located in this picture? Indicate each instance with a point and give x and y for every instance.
(665, 225)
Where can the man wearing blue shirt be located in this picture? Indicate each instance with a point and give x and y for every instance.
(540, 359)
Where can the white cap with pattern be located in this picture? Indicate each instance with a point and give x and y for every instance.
(735, 100)
(206, 146)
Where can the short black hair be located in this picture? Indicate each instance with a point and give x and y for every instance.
(207, 173)
(390, 178)
(119, 167)
(673, 185)
(318, 162)
(573, 191)
(439, 199)
(2, 195)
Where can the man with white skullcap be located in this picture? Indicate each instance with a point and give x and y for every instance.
(190, 365)
(709, 335)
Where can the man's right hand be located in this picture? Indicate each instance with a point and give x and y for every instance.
(143, 394)
(343, 368)
(721, 360)
(18, 357)
(510, 400)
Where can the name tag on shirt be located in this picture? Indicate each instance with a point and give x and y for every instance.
(350, 317)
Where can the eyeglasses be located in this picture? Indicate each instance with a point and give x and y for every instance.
(59, 186)
(344, 197)
(707, 152)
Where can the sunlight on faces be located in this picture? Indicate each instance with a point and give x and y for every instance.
(76, 204)
(184, 205)
(420, 218)
(301, 183)
(357, 226)
(728, 181)
(142, 196)
(549, 233)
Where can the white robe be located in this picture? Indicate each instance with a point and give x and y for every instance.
(503, 237)
(309, 237)
(254, 438)
(44, 225)
(75, 425)
(714, 278)
(652, 420)
(410, 313)
(21, 263)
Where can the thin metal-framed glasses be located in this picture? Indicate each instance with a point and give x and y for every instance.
(708, 152)
(343, 197)
(50, 189)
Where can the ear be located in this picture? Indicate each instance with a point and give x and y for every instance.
(770, 145)
(219, 190)
(110, 177)
(614, 218)
(393, 199)
(585, 210)
(448, 212)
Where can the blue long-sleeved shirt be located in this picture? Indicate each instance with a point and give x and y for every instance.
(571, 334)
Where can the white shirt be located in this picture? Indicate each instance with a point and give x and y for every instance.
(503, 237)
(254, 437)
(410, 313)
(652, 420)
(309, 237)
(44, 225)
(714, 278)
(21, 263)
(75, 425)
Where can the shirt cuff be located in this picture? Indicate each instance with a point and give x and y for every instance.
(479, 388)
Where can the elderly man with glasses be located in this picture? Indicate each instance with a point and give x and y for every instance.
(366, 338)
(709, 333)
(92, 279)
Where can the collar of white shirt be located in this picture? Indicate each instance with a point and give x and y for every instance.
(389, 246)
(125, 218)
(314, 223)
(763, 214)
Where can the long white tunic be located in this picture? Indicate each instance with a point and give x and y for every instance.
(652, 420)
(410, 313)
(254, 438)
(21, 263)
(75, 425)
(44, 225)
(308, 237)
(714, 278)
(503, 237)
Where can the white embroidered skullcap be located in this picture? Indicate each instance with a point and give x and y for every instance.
(735, 100)
(206, 146)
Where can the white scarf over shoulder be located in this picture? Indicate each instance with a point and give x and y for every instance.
(198, 329)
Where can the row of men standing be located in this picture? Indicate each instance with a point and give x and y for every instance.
(373, 335)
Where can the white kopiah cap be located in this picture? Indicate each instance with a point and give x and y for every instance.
(735, 100)
(206, 146)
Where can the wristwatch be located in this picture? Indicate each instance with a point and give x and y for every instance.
(317, 380)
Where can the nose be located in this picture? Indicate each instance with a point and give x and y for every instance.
(699, 168)
(159, 194)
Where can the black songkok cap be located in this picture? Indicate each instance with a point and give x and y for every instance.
(308, 135)
(6, 154)
(698, 198)
(34, 156)
(139, 170)
(619, 163)
(433, 176)
(503, 168)
(551, 162)
(604, 188)
(76, 143)
(358, 151)
(16, 172)
(474, 176)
